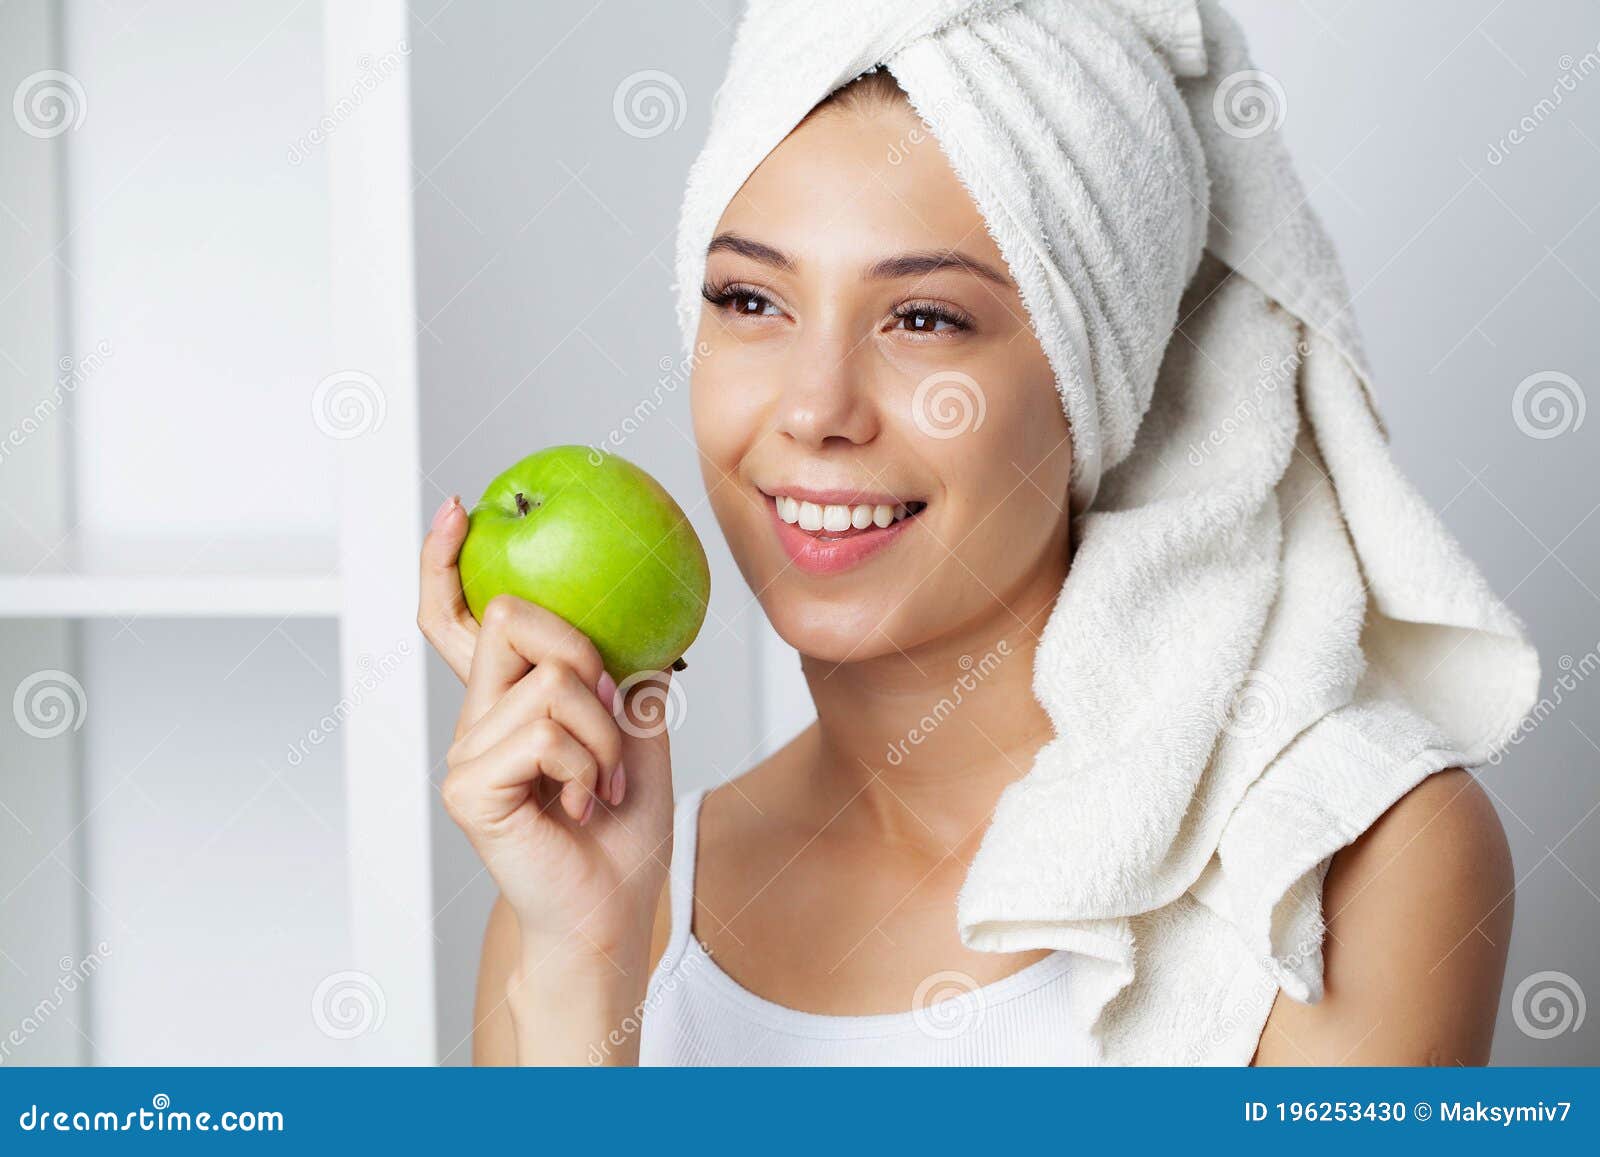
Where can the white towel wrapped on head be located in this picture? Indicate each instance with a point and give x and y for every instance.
(1266, 637)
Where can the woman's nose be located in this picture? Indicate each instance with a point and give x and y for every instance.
(828, 396)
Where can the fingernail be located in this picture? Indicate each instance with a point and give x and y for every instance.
(607, 690)
(442, 515)
(588, 812)
(619, 785)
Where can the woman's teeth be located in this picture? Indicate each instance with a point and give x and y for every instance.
(811, 516)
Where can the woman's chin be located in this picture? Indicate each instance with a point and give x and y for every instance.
(831, 634)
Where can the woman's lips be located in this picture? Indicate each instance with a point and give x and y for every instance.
(825, 552)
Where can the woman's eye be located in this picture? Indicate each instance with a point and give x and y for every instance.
(751, 305)
(740, 302)
(927, 321)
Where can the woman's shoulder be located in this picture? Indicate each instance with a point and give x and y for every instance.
(1441, 845)
(1418, 912)
(1450, 812)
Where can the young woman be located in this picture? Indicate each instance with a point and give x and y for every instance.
(810, 913)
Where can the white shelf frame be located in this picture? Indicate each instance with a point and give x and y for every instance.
(371, 592)
(389, 795)
(71, 596)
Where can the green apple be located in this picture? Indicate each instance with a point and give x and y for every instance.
(599, 542)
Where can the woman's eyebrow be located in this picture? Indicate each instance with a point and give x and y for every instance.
(900, 265)
(933, 261)
(745, 247)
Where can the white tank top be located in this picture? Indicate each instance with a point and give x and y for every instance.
(696, 1014)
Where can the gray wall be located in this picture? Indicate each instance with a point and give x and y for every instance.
(544, 260)
(544, 253)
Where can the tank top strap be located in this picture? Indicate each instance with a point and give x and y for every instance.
(685, 837)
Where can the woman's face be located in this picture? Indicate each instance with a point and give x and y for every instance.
(866, 359)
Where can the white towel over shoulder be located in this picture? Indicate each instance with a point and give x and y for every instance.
(1266, 636)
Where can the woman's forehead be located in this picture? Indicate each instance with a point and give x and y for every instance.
(852, 185)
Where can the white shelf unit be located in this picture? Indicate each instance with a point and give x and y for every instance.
(122, 578)
(193, 477)
(131, 596)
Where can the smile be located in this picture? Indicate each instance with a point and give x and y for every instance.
(826, 537)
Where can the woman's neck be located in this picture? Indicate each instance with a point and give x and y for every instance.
(920, 743)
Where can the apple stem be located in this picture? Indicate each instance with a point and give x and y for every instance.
(679, 665)
(522, 504)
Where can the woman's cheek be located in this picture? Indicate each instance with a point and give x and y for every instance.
(726, 413)
(715, 405)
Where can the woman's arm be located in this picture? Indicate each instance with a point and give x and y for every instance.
(538, 754)
(1418, 911)
(494, 1035)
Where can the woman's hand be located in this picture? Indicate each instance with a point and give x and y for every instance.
(564, 795)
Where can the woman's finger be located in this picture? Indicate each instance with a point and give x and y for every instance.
(515, 637)
(552, 690)
(442, 612)
(492, 786)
